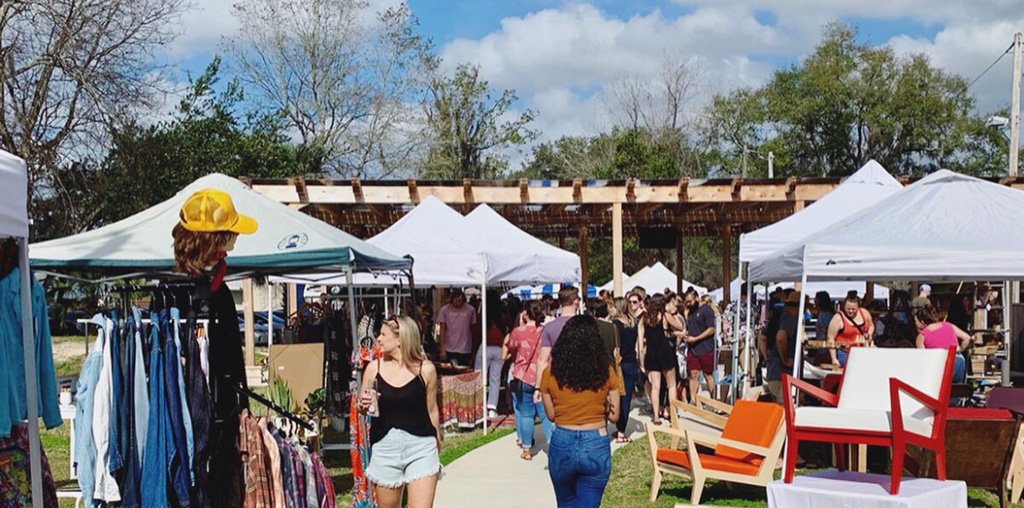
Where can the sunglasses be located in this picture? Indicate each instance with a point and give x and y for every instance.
(635, 302)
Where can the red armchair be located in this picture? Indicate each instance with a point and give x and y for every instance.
(887, 397)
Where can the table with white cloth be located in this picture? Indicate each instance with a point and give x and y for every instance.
(845, 489)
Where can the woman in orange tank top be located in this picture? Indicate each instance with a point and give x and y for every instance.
(851, 325)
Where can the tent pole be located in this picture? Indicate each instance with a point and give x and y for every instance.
(746, 354)
(387, 306)
(1008, 332)
(734, 385)
(483, 346)
(270, 329)
(354, 324)
(798, 357)
(31, 379)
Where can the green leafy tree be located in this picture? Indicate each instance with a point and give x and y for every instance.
(845, 104)
(148, 164)
(468, 127)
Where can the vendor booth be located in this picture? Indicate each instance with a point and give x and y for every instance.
(29, 389)
(451, 250)
(187, 321)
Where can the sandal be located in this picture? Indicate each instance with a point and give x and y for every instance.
(526, 455)
(622, 439)
(519, 443)
(658, 422)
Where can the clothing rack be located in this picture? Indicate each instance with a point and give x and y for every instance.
(280, 410)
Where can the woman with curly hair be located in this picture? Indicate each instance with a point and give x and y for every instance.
(580, 394)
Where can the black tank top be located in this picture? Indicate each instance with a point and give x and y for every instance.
(403, 408)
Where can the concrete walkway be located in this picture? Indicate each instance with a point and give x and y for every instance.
(495, 476)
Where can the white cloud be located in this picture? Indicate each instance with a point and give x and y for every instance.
(203, 27)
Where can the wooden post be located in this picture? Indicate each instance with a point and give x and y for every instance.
(869, 293)
(584, 261)
(726, 261)
(617, 248)
(679, 261)
(798, 206)
(250, 332)
(293, 298)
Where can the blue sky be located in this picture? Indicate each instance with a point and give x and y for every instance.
(563, 57)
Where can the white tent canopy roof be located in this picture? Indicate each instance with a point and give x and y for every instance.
(947, 226)
(286, 239)
(516, 257)
(449, 249)
(610, 285)
(867, 186)
(656, 278)
(13, 196)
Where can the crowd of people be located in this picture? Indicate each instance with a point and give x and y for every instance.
(575, 365)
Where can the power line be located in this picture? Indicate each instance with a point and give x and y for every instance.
(1010, 47)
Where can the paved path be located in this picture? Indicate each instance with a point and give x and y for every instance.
(495, 476)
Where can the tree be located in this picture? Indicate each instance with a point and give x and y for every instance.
(68, 70)
(347, 82)
(148, 164)
(845, 104)
(469, 133)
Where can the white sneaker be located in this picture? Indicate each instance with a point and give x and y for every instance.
(492, 414)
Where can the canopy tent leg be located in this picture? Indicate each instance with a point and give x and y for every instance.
(746, 354)
(248, 320)
(270, 330)
(31, 379)
(734, 385)
(387, 304)
(354, 323)
(1008, 298)
(798, 356)
(483, 347)
(584, 262)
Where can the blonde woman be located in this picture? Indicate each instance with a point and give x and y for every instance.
(399, 394)
(625, 321)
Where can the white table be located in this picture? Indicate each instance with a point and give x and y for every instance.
(831, 488)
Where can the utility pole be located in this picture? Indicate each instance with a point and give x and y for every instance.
(1015, 108)
(771, 165)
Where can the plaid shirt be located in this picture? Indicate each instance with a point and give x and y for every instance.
(253, 452)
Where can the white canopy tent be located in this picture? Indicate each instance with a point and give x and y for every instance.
(656, 278)
(610, 285)
(14, 223)
(287, 240)
(946, 227)
(515, 256)
(870, 184)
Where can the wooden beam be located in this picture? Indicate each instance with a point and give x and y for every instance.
(631, 190)
(617, 248)
(414, 193)
(467, 194)
(247, 315)
(524, 190)
(679, 262)
(555, 210)
(584, 262)
(675, 192)
(726, 261)
(357, 191)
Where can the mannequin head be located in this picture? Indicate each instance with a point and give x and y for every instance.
(207, 230)
(196, 253)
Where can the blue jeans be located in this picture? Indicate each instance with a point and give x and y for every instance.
(842, 355)
(526, 411)
(579, 463)
(630, 372)
(959, 368)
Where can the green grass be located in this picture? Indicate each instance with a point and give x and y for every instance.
(630, 485)
(70, 367)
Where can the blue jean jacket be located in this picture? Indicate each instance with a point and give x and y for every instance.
(85, 448)
(12, 378)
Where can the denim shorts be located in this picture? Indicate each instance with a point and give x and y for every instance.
(400, 458)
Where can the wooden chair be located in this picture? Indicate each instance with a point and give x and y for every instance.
(887, 397)
(746, 452)
(1012, 399)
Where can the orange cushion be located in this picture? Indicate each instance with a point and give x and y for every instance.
(682, 459)
(753, 423)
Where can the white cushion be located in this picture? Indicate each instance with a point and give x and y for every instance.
(868, 370)
(857, 419)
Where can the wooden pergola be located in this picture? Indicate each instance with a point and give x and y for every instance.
(560, 209)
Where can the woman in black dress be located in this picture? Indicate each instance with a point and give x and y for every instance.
(657, 352)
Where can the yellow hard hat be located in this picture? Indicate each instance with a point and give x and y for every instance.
(211, 210)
